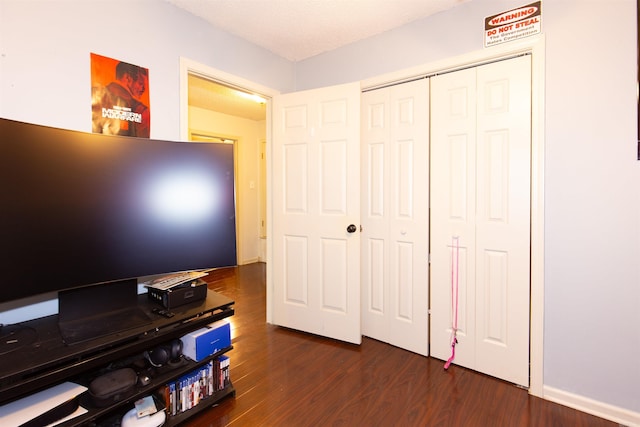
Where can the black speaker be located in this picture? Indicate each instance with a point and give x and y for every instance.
(164, 354)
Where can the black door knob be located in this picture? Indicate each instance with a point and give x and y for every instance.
(351, 228)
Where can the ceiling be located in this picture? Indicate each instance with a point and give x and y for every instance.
(300, 29)
(297, 30)
(204, 93)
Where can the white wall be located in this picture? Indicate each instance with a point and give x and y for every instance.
(592, 177)
(248, 134)
(44, 57)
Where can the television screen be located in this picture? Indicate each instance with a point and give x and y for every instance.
(79, 209)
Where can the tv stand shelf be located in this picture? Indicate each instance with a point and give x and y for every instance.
(49, 361)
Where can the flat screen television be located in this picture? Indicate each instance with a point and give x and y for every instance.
(94, 212)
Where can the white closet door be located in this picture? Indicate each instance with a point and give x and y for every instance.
(481, 144)
(395, 196)
(503, 219)
(316, 196)
(453, 175)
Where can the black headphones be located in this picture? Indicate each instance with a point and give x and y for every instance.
(166, 353)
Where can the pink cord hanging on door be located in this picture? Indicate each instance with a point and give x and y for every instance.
(455, 257)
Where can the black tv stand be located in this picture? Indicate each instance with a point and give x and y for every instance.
(48, 361)
(95, 311)
(15, 337)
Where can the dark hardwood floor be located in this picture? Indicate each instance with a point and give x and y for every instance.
(288, 378)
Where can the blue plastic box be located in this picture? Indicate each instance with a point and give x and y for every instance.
(202, 343)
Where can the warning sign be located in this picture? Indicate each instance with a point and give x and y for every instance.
(512, 25)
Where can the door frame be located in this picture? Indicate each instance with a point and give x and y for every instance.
(188, 66)
(535, 46)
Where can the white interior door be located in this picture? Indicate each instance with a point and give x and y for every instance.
(395, 209)
(480, 217)
(316, 197)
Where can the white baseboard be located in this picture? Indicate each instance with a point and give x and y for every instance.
(599, 409)
(249, 261)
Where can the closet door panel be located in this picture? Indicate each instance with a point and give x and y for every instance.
(374, 213)
(453, 170)
(503, 219)
(395, 222)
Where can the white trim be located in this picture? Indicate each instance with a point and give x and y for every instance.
(250, 261)
(536, 339)
(536, 47)
(593, 407)
(471, 59)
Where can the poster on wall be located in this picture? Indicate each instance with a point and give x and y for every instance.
(513, 25)
(119, 98)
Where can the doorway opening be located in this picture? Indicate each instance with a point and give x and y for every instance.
(215, 109)
(209, 138)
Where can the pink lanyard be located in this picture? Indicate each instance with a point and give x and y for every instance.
(455, 244)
